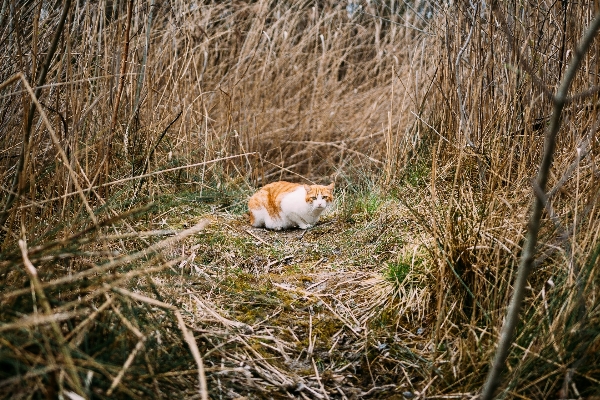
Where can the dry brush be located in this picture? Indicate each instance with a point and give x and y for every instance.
(105, 106)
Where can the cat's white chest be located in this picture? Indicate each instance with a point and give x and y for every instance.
(295, 202)
(295, 211)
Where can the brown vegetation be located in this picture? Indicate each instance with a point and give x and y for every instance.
(126, 126)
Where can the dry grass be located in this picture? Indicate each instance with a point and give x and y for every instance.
(123, 228)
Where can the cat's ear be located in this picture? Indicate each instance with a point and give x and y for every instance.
(331, 186)
(307, 188)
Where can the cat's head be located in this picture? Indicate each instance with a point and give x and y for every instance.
(319, 196)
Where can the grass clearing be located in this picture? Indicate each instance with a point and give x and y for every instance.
(125, 172)
(295, 298)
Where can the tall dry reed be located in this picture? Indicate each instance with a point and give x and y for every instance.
(231, 95)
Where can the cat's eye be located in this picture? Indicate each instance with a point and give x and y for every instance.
(313, 197)
(325, 197)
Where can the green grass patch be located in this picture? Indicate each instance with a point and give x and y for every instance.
(397, 272)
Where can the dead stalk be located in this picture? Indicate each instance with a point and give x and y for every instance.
(122, 73)
(189, 338)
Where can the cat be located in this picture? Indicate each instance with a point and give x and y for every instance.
(284, 205)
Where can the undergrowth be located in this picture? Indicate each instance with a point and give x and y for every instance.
(132, 135)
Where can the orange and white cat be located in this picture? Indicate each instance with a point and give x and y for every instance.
(283, 205)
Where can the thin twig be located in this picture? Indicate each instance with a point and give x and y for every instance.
(463, 115)
(142, 298)
(36, 320)
(513, 45)
(89, 319)
(132, 178)
(319, 378)
(126, 366)
(249, 232)
(140, 81)
(191, 341)
(119, 261)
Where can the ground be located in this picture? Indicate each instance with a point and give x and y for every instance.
(336, 311)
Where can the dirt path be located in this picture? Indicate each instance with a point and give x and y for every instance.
(302, 314)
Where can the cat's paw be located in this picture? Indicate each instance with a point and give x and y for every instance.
(304, 226)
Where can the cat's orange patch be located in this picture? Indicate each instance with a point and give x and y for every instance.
(269, 197)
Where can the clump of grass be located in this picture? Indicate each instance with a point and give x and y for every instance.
(360, 199)
(397, 272)
(407, 269)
